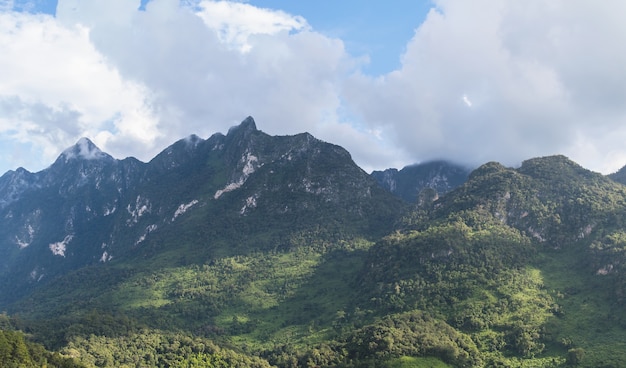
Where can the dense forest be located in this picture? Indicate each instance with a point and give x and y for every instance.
(515, 268)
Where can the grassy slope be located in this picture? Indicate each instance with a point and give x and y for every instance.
(589, 317)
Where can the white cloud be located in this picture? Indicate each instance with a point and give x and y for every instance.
(134, 81)
(6, 5)
(57, 87)
(466, 101)
(236, 22)
(369, 148)
(479, 81)
(543, 78)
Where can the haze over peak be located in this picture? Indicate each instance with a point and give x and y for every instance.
(84, 149)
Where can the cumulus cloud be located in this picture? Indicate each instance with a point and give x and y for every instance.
(236, 22)
(57, 86)
(490, 80)
(134, 80)
(506, 81)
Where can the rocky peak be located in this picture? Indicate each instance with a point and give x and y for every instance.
(178, 154)
(248, 124)
(84, 149)
(442, 176)
(387, 179)
(243, 130)
(78, 165)
(13, 183)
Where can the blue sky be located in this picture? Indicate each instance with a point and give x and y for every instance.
(378, 30)
(35, 6)
(394, 82)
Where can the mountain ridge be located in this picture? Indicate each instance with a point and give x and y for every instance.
(280, 251)
(88, 208)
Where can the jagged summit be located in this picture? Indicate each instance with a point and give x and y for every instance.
(407, 183)
(84, 149)
(20, 170)
(248, 124)
(246, 127)
(88, 207)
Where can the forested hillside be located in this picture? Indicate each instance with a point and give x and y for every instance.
(297, 258)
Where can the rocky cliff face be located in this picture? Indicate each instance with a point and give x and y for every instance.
(88, 208)
(442, 176)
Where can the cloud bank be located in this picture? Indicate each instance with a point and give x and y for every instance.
(490, 80)
(506, 81)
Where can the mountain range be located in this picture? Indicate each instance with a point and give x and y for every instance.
(89, 208)
(247, 249)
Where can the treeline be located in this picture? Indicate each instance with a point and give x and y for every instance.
(373, 345)
(16, 351)
(150, 348)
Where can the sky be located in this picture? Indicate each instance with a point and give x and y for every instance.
(394, 82)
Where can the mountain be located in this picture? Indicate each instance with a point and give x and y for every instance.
(252, 250)
(407, 183)
(525, 261)
(88, 208)
(63, 217)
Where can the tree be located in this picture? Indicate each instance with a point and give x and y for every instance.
(5, 348)
(575, 356)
